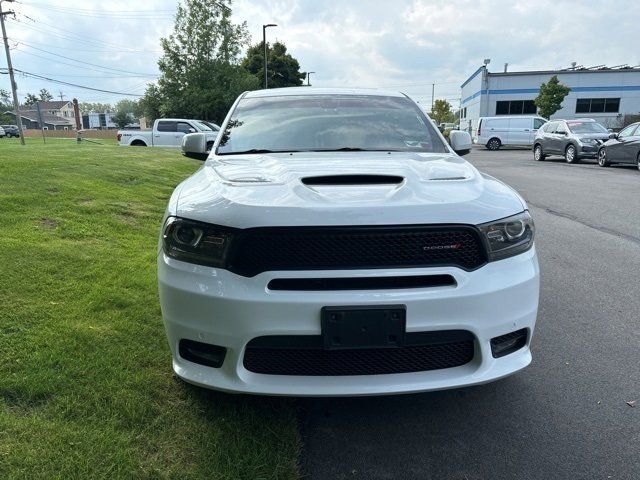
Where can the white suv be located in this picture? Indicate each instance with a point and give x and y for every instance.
(333, 243)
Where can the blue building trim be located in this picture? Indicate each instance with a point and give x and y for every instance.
(512, 91)
(508, 91)
(473, 75)
(471, 97)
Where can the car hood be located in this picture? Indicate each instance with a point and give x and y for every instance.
(288, 189)
(594, 136)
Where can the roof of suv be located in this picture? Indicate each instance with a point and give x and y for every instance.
(574, 120)
(279, 92)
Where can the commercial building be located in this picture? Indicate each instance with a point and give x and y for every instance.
(609, 95)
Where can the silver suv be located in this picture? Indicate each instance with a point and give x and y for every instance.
(573, 139)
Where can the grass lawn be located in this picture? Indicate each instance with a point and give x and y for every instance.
(86, 387)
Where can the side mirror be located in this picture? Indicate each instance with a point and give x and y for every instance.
(613, 135)
(192, 130)
(460, 142)
(194, 145)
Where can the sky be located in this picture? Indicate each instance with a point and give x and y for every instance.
(405, 45)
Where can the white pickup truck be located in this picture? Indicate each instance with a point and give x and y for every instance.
(168, 132)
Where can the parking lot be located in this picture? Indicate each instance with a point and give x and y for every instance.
(571, 414)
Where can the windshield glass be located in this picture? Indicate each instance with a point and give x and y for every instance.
(328, 123)
(586, 127)
(205, 126)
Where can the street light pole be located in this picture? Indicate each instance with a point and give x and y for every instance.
(309, 78)
(264, 42)
(14, 87)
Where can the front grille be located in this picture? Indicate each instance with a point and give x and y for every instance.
(258, 250)
(304, 355)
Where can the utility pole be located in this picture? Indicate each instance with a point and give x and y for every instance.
(264, 42)
(433, 95)
(309, 78)
(14, 87)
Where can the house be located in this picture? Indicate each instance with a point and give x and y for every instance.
(59, 108)
(56, 115)
(49, 122)
(607, 94)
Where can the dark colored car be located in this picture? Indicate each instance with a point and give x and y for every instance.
(11, 131)
(624, 147)
(573, 139)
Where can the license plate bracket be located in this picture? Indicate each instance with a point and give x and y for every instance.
(351, 327)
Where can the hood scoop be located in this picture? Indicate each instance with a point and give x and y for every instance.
(350, 180)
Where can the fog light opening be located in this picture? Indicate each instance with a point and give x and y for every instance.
(202, 353)
(508, 343)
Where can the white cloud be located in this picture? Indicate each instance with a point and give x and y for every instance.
(406, 44)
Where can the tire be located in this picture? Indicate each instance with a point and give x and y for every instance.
(538, 156)
(494, 144)
(602, 158)
(638, 161)
(571, 154)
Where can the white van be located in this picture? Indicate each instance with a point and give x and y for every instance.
(494, 132)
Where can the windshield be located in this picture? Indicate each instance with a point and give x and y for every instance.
(205, 126)
(586, 127)
(328, 123)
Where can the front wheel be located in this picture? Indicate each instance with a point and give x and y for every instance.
(570, 154)
(493, 144)
(602, 157)
(538, 156)
(638, 160)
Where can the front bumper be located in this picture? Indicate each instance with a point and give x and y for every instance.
(588, 151)
(218, 307)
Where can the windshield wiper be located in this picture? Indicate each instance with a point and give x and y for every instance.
(257, 150)
(352, 149)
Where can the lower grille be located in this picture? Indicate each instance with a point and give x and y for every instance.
(304, 355)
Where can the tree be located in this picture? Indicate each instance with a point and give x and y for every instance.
(200, 72)
(151, 103)
(551, 96)
(282, 70)
(45, 96)
(132, 107)
(5, 98)
(42, 96)
(441, 112)
(121, 118)
(30, 99)
(5, 106)
(95, 107)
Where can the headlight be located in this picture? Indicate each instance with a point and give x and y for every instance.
(588, 141)
(509, 236)
(195, 242)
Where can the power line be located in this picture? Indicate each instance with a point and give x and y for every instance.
(86, 63)
(71, 37)
(93, 10)
(65, 63)
(84, 87)
(92, 76)
(85, 50)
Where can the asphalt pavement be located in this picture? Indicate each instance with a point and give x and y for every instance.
(564, 417)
